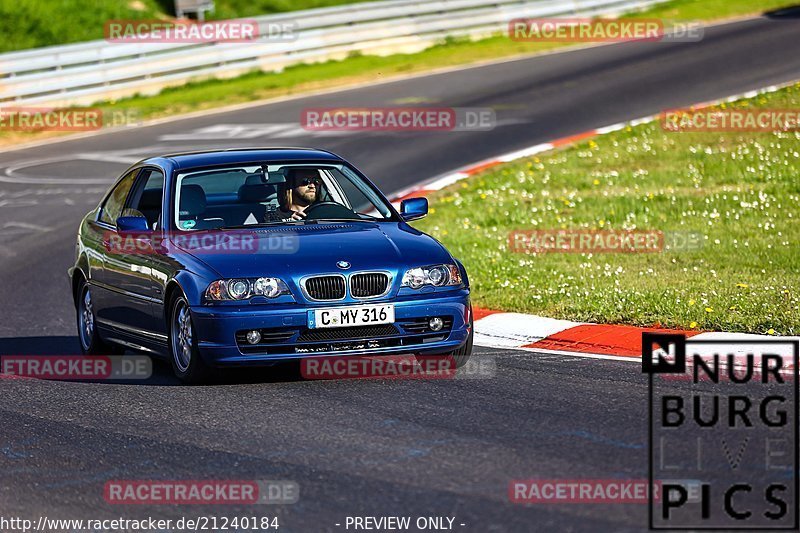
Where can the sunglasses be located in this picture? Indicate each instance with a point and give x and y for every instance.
(307, 181)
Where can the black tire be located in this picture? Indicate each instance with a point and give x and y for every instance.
(462, 355)
(88, 338)
(185, 358)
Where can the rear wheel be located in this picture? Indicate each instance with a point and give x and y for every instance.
(185, 357)
(89, 339)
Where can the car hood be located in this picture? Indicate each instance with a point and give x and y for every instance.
(295, 251)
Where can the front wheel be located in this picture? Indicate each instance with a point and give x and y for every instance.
(462, 355)
(187, 364)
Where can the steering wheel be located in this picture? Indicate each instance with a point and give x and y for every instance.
(329, 210)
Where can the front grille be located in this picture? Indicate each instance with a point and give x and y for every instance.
(368, 285)
(275, 341)
(325, 287)
(354, 333)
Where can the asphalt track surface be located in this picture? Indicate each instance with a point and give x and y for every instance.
(365, 447)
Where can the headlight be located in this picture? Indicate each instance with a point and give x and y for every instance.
(238, 289)
(245, 288)
(436, 275)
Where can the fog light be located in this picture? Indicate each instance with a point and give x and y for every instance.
(435, 323)
(253, 337)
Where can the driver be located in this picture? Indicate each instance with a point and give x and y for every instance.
(294, 196)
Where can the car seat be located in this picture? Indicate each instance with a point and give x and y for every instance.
(253, 196)
(150, 206)
(192, 208)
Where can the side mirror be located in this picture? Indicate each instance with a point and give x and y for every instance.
(413, 208)
(126, 224)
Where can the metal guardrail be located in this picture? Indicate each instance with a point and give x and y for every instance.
(81, 74)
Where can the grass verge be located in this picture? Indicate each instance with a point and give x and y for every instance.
(683, 10)
(359, 69)
(739, 190)
(34, 23)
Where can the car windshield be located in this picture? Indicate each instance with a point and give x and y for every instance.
(274, 194)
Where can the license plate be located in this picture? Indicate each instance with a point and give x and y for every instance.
(339, 317)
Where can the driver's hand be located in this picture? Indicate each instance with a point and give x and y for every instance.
(298, 214)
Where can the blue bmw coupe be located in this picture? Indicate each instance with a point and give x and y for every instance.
(252, 256)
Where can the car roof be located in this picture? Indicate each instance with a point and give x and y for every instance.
(234, 156)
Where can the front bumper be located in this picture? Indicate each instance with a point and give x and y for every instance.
(288, 337)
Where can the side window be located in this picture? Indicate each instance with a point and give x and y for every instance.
(112, 208)
(145, 200)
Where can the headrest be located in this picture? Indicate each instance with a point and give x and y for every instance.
(193, 201)
(151, 199)
(259, 192)
(293, 172)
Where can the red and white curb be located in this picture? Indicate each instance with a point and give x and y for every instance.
(519, 331)
(549, 335)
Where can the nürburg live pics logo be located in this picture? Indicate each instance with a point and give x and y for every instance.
(723, 423)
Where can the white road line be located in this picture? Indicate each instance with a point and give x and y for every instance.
(13, 172)
(582, 354)
(26, 225)
(108, 157)
(18, 203)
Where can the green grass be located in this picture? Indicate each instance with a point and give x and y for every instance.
(739, 190)
(713, 9)
(226, 9)
(34, 23)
